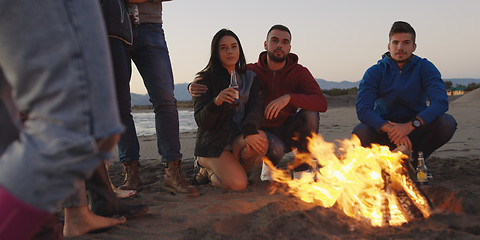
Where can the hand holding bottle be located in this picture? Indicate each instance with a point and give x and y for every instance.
(229, 95)
(226, 95)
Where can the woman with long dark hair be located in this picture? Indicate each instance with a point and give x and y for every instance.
(229, 141)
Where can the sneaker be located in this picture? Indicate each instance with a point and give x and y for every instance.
(266, 174)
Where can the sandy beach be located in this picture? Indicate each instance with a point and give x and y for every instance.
(257, 214)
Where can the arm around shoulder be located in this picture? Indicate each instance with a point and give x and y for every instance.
(205, 110)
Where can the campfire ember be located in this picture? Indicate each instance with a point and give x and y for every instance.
(368, 184)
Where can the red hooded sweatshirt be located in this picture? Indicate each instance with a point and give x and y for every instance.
(293, 79)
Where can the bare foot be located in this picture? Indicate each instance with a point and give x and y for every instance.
(80, 221)
(123, 193)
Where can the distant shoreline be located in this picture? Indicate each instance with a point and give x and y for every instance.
(181, 105)
(333, 102)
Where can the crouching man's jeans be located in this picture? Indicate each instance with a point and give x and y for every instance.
(55, 57)
(427, 139)
(291, 134)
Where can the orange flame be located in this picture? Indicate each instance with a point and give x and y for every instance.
(366, 183)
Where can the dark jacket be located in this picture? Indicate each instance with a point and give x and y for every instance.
(387, 93)
(216, 124)
(293, 79)
(117, 21)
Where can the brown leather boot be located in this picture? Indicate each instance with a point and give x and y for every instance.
(174, 180)
(132, 176)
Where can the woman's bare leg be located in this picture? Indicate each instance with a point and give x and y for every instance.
(246, 155)
(227, 171)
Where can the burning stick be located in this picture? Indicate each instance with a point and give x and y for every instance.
(385, 204)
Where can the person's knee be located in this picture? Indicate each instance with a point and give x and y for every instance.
(447, 122)
(235, 180)
(162, 98)
(311, 120)
(237, 184)
(445, 126)
(360, 130)
(276, 151)
(363, 132)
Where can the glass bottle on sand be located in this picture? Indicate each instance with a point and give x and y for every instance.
(421, 170)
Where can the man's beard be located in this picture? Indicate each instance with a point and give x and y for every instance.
(401, 61)
(274, 58)
(408, 59)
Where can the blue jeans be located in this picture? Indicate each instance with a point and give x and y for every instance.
(291, 134)
(55, 57)
(150, 54)
(427, 139)
(128, 145)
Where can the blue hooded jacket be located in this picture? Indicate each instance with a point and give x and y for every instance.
(387, 93)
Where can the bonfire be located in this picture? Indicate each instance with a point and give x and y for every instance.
(369, 184)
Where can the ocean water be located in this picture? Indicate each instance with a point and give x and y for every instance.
(145, 122)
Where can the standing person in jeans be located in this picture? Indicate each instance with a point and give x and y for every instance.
(392, 99)
(150, 54)
(288, 87)
(55, 58)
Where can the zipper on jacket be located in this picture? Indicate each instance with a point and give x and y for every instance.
(121, 11)
(273, 81)
(122, 7)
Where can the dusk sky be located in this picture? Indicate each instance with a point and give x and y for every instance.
(335, 40)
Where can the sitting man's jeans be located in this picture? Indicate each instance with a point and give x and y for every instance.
(150, 55)
(291, 134)
(427, 139)
(55, 57)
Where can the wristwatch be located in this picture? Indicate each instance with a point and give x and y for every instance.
(416, 123)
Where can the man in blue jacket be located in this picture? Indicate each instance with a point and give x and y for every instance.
(392, 99)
